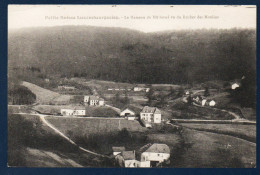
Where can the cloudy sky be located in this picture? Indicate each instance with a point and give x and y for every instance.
(144, 18)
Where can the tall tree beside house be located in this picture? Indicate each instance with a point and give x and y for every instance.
(180, 92)
(206, 92)
(126, 100)
(150, 95)
(245, 95)
(189, 99)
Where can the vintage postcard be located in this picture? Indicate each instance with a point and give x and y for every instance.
(142, 86)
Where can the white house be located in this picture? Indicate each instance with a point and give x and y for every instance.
(118, 150)
(66, 112)
(76, 111)
(151, 114)
(65, 87)
(94, 100)
(203, 102)
(138, 89)
(153, 154)
(234, 86)
(212, 103)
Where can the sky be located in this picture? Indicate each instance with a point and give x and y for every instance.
(145, 18)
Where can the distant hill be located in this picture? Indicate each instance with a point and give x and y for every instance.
(131, 56)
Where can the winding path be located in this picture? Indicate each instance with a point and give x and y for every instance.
(42, 118)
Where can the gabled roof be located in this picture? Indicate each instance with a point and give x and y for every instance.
(132, 108)
(148, 109)
(158, 148)
(128, 109)
(118, 149)
(128, 155)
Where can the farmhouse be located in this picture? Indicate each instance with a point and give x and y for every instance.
(151, 114)
(94, 100)
(154, 154)
(128, 113)
(77, 111)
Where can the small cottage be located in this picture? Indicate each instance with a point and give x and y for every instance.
(212, 103)
(127, 112)
(203, 102)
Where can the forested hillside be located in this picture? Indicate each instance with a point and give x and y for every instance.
(131, 56)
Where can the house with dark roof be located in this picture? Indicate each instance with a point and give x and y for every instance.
(93, 100)
(118, 150)
(127, 159)
(151, 114)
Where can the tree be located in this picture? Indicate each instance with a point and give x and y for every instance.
(180, 92)
(150, 95)
(189, 99)
(206, 92)
(126, 100)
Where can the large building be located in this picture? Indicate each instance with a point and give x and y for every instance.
(75, 111)
(151, 114)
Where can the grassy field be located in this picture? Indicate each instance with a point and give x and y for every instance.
(85, 126)
(33, 144)
(45, 96)
(91, 111)
(209, 150)
(18, 109)
(184, 111)
(247, 132)
(101, 134)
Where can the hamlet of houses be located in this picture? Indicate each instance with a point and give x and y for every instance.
(147, 116)
(150, 155)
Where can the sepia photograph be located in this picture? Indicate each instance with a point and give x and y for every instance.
(132, 86)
